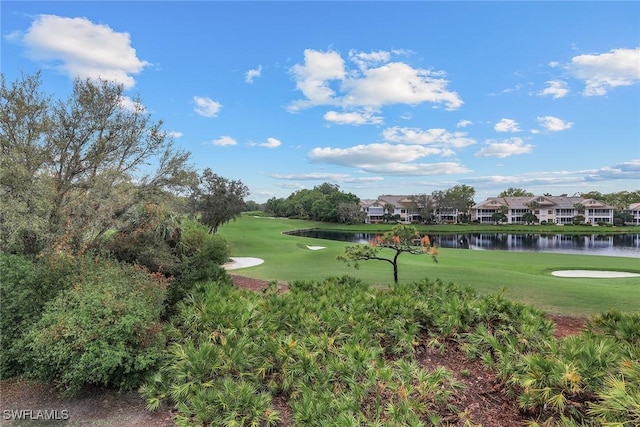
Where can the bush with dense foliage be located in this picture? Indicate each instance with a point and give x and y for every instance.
(103, 329)
(21, 306)
(26, 286)
(202, 255)
(335, 349)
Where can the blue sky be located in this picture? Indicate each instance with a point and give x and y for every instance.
(376, 97)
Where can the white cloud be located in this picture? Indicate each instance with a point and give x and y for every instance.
(79, 48)
(206, 107)
(332, 177)
(372, 154)
(313, 77)
(352, 118)
(224, 141)
(507, 125)
(605, 71)
(272, 143)
(626, 170)
(365, 60)
(438, 137)
(509, 147)
(553, 124)
(556, 89)
(399, 83)
(416, 169)
(561, 180)
(464, 123)
(324, 79)
(174, 134)
(253, 74)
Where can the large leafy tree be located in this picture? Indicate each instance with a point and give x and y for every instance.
(71, 168)
(217, 200)
(460, 197)
(401, 239)
(423, 205)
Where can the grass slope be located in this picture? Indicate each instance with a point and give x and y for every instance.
(524, 276)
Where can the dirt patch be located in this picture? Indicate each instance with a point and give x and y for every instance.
(91, 407)
(481, 401)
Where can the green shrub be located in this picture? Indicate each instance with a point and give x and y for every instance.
(26, 286)
(21, 307)
(104, 329)
(202, 255)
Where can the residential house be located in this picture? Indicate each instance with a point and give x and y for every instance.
(634, 211)
(404, 207)
(550, 209)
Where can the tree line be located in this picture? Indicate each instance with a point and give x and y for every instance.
(326, 202)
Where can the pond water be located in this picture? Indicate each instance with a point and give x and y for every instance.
(623, 245)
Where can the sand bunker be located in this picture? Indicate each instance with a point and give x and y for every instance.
(242, 262)
(593, 274)
(316, 248)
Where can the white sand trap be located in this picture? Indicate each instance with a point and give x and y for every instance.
(593, 274)
(316, 248)
(242, 262)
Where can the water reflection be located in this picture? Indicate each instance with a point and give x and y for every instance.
(627, 245)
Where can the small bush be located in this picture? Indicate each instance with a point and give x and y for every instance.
(103, 330)
(20, 307)
(202, 255)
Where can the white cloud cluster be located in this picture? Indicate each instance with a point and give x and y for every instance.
(507, 125)
(400, 153)
(332, 177)
(79, 48)
(437, 137)
(547, 180)
(271, 143)
(353, 118)
(325, 80)
(253, 74)
(556, 89)
(553, 124)
(506, 148)
(206, 107)
(605, 71)
(224, 141)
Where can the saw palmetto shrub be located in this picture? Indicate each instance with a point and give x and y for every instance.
(104, 329)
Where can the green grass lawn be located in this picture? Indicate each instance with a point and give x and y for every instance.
(524, 276)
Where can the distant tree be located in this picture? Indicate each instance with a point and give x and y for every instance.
(622, 218)
(460, 197)
(388, 215)
(351, 213)
(217, 200)
(515, 192)
(401, 239)
(423, 205)
(251, 206)
(275, 206)
(529, 218)
(499, 217)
